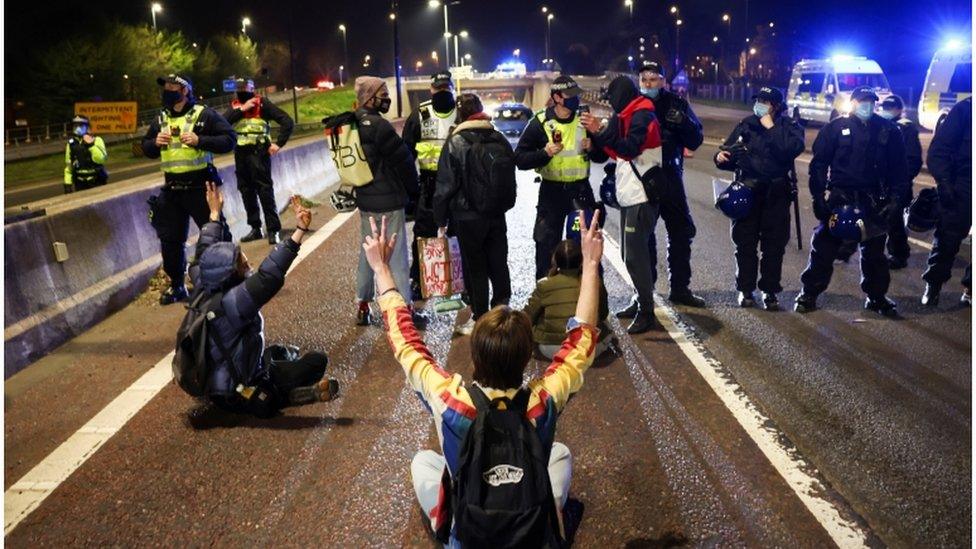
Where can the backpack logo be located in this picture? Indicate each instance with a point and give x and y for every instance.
(503, 474)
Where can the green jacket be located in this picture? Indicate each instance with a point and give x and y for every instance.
(553, 303)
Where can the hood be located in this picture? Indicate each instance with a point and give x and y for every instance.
(621, 92)
(474, 123)
(217, 265)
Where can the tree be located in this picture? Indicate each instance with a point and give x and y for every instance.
(237, 55)
(274, 57)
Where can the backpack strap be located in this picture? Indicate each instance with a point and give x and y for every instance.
(520, 402)
(478, 398)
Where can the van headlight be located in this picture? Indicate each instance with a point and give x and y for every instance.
(845, 106)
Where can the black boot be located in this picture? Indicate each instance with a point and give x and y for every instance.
(896, 263)
(805, 303)
(173, 295)
(747, 299)
(685, 297)
(643, 322)
(770, 301)
(931, 296)
(629, 312)
(883, 306)
(273, 237)
(255, 234)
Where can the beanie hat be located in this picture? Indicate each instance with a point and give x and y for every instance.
(366, 88)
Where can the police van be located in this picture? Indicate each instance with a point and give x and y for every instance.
(948, 81)
(820, 89)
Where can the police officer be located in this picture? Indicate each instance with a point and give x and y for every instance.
(950, 161)
(891, 109)
(251, 116)
(84, 158)
(865, 156)
(424, 133)
(185, 137)
(560, 149)
(769, 143)
(680, 130)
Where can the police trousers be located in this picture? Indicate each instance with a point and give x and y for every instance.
(174, 208)
(253, 166)
(875, 277)
(953, 226)
(768, 227)
(680, 227)
(556, 201)
(424, 225)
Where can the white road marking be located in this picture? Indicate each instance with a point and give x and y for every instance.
(787, 461)
(26, 494)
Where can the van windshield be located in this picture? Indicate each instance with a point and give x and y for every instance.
(851, 80)
(811, 82)
(962, 79)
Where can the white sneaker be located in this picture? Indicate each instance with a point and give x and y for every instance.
(466, 328)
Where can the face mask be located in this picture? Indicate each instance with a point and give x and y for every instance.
(384, 106)
(171, 98)
(651, 92)
(81, 130)
(244, 96)
(760, 109)
(864, 110)
(572, 103)
(887, 115)
(442, 101)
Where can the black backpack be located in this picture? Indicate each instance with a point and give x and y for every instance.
(501, 495)
(489, 174)
(191, 363)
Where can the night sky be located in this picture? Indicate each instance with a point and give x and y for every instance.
(901, 35)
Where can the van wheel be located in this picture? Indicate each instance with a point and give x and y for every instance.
(834, 114)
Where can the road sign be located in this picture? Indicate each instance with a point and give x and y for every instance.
(462, 72)
(109, 116)
(230, 85)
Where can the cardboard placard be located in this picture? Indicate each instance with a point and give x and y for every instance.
(440, 267)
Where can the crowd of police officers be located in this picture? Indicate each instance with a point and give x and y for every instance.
(860, 182)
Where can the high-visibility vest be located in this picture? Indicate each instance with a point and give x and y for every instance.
(434, 129)
(571, 164)
(252, 129)
(177, 157)
(84, 164)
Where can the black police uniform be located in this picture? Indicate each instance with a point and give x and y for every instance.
(252, 164)
(184, 195)
(764, 167)
(898, 249)
(950, 162)
(867, 167)
(680, 130)
(556, 199)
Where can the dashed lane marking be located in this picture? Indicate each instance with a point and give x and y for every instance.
(26, 494)
(787, 461)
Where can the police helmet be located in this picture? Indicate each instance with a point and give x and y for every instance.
(923, 213)
(343, 201)
(608, 187)
(735, 201)
(80, 120)
(244, 85)
(847, 223)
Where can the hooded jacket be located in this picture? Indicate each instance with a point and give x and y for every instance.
(450, 200)
(394, 172)
(240, 329)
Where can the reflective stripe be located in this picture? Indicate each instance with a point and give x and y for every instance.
(434, 129)
(177, 158)
(252, 130)
(571, 164)
(428, 153)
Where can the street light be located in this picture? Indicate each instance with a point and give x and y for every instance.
(434, 4)
(419, 65)
(517, 52)
(155, 8)
(629, 4)
(244, 23)
(549, 19)
(345, 46)
(366, 60)
(341, 68)
(674, 9)
(457, 57)
(433, 56)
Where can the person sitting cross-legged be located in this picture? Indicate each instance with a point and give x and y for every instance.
(475, 421)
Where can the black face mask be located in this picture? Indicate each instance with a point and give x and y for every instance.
(171, 98)
(384, 104)
(572, 103)
(244, 96)
(442, 101)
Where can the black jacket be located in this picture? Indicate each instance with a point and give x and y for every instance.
(530, 153)
(394, 172)
(216, 136)
(450, 201)
(913, 146)
(856, 158)
(770, 153)
(271, 113)
(680, 128)
(950, 158)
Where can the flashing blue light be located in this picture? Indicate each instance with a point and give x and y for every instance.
(841, 57)
(953, 44)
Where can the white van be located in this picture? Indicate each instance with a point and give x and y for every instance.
(820, 89)
(948, 81)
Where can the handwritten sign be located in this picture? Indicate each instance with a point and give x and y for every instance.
(109, 116)
(440, 267)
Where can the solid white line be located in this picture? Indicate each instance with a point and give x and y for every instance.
(787, 461)
(922, 243)
(26, 494)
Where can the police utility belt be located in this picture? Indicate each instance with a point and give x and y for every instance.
(755, 183)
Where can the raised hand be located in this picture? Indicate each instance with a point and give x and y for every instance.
(378, 247)
(215, 200)
(591, 240)
(303, 216)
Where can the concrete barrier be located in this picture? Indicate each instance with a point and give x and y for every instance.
(112, 250)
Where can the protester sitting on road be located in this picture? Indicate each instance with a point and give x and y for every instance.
(475, 187)
(501, 347)
(394, 178)
(554, 300)
(246, 377)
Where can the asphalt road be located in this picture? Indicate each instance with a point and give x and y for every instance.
(874, 413)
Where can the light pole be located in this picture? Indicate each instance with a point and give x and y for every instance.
(722, 46)
(155, 8)
(395, 17)
(244, 23)
(457, 57)
(549, 19)
(345, 45)
(341, 68)
(629, 4)
(434, 4)
(517, 53)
